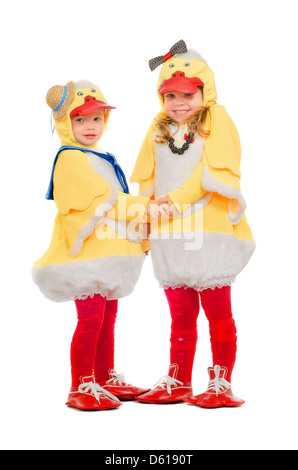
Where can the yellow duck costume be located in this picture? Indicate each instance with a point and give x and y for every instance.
(198, 253)
(90, 252)
(95, 256)
(207, 179)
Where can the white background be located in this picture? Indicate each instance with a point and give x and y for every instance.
(252, 48)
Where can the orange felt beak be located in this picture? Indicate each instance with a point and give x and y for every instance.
(180, 83)
(91, 105)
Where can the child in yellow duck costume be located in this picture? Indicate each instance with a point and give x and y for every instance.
(196, 173)
(94, 257)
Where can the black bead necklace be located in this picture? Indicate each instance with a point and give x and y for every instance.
(184, 147)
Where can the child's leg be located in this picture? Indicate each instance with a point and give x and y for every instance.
(184, 307)
(174, 387)
(104, 357)
(84, 342)
(223, 334)
(105, 375)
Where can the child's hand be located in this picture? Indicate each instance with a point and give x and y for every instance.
(153, 210)
(164, 210)
(168, 206)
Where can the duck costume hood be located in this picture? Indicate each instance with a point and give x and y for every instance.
(82, 97)
(184, 71)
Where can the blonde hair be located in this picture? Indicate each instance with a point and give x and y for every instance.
(196, 125)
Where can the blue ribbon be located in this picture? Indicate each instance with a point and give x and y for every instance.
(108, 157)
(62, 100)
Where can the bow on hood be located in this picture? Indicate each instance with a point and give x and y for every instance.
(80, 91)
(193, 66)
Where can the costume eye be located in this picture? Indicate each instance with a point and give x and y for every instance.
(172, 65)
(80, 93)
(93, 90)
(187, 64)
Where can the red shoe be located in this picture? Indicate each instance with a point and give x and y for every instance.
(89, 396)
(218, 394)
(119, 388)
(168, 389)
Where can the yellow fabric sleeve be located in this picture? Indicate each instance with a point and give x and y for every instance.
(190, 192)
(146, 245)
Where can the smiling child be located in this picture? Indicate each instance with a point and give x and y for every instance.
(190, 161)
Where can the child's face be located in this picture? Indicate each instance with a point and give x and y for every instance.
(88, 129)
(181, 106)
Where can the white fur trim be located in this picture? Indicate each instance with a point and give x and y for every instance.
(112, 277)
(211, 184)
(88, 229)
(81, 84)
(216, 262)
(235, 218)
(191, 54)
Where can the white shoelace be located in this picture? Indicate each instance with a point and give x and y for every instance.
(169, 382)
(218, 385)
(117, 379)
(96, 390)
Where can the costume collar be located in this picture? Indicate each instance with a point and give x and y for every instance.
(108, 157)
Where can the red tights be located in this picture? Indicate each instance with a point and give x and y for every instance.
(92, 347)
(184, 307)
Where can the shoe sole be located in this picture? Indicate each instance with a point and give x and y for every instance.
(159, 402)
(222, 405)
(70, 405)
(126, 398)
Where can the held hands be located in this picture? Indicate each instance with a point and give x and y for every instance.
(163, 207)
(168, 206)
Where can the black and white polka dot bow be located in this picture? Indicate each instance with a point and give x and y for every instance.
(178, 48)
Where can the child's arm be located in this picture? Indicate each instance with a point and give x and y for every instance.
(219, 170)
(189, 193)
(129, 207)
(84, 199)
(139, 209)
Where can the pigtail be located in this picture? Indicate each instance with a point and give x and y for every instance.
(196, 124)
